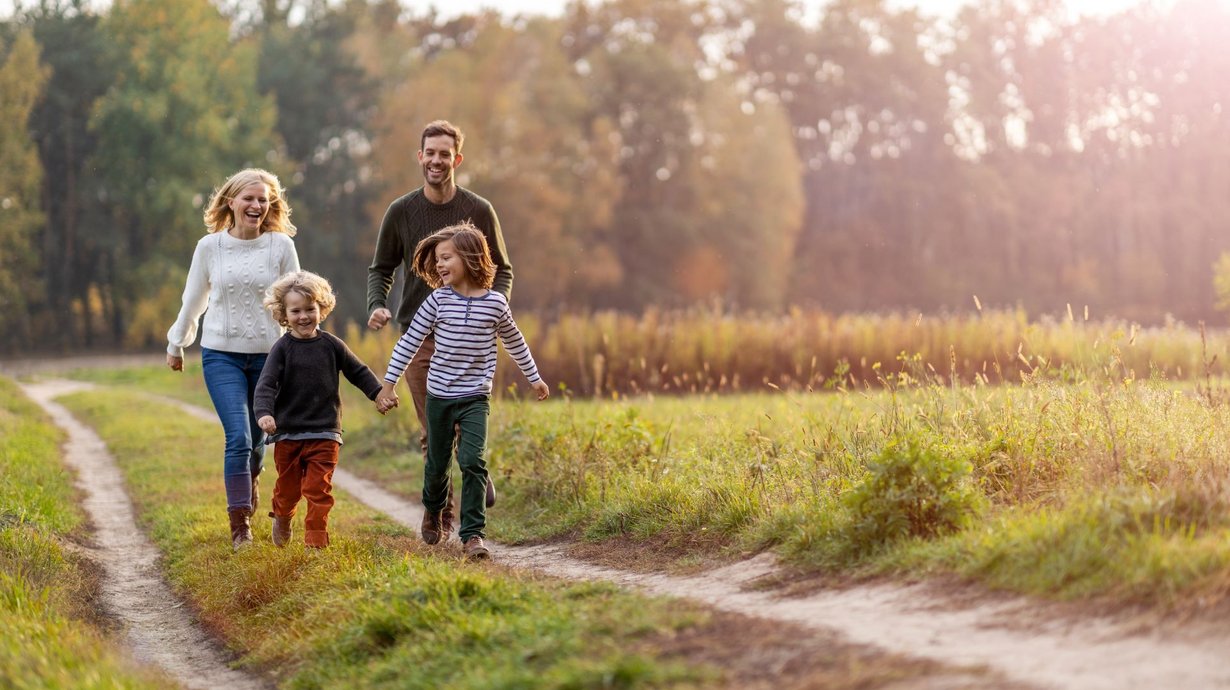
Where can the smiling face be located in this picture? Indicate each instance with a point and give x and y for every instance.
(451, 268)
(250, 206)
(439, 159)
(302, 315)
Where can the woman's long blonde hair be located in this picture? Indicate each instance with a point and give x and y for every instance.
(218, 214)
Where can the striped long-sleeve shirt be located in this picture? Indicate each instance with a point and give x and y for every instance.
(465, 330)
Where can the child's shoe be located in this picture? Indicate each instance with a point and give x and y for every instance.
(490, 492)
(430, 529)
(475, 549)
(281, 529)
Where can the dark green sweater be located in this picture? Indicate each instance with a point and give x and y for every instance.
(410, 219)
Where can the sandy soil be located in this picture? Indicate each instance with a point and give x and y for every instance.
(159, 628)
(1018, 638)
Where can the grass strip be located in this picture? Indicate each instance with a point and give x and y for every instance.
(375, 609)
(50, 636)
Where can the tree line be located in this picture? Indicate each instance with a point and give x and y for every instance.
(639, 153)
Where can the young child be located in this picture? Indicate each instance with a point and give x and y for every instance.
(298, 403)
(466, 316)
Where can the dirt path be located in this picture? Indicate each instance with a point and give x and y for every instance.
(1014, 636)
(155, 624)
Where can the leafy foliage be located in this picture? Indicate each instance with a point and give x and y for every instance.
(911, 491)
(22, 79)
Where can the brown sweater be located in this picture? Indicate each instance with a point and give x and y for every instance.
(412, 218)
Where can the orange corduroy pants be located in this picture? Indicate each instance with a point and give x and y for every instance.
(305, 470)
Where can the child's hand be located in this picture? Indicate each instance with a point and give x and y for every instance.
(386, 399)
(542, 389)
(267, 424)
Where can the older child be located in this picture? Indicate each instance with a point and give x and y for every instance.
(465, 316)
(298, 403)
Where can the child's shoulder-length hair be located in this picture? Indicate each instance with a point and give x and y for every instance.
(306, 283)
(471, 246)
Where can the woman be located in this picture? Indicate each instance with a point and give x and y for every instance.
(247, 248)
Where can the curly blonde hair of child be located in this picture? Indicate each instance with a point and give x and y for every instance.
(218, 213)
(471, 246)
(306, 283)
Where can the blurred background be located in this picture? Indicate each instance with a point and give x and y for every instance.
(751, 156)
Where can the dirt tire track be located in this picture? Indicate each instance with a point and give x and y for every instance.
(158, 628)
(1093, 653)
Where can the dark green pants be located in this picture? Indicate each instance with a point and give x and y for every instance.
(470, 414)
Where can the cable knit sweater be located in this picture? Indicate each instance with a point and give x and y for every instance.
(227, 283)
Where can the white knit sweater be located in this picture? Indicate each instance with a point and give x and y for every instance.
(227, 282)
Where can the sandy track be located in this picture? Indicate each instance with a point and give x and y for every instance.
(155, 623)
(1061, 652)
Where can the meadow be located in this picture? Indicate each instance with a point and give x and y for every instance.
(50, 634)
(1097, 470)
(375, 609)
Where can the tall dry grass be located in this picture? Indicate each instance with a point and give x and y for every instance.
(694, 351)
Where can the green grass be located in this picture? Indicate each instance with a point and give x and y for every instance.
(49, 633)
(1077, 483)
(1046, 485)
(375, 609)
(1095, 488)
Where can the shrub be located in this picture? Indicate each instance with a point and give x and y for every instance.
(910, 491)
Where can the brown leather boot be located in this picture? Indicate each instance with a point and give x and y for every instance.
(430, 529)
(241, 527)
(281, 529)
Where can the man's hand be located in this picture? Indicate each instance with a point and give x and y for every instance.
(176, 363)
(379, 318)
(542, 389)
(267, 424)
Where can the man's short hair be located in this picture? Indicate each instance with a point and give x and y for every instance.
(442, 127)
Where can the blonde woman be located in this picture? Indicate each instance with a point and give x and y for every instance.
(247, 247)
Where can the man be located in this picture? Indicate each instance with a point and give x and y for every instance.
(439, 203)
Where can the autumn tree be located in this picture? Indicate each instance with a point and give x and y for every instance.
(22, 79)
(183, 114)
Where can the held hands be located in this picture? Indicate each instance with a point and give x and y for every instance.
(542, 389)
(176, 363)
(386, 399)
(378, 319)
(267, 424)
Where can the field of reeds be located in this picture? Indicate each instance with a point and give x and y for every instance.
(710, 351)
(1099, 469)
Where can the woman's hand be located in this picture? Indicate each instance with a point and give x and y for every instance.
(176, 363)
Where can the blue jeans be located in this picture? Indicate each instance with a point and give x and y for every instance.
(231, 379)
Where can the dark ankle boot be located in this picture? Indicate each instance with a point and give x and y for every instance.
(280, 530)
(241, 527)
